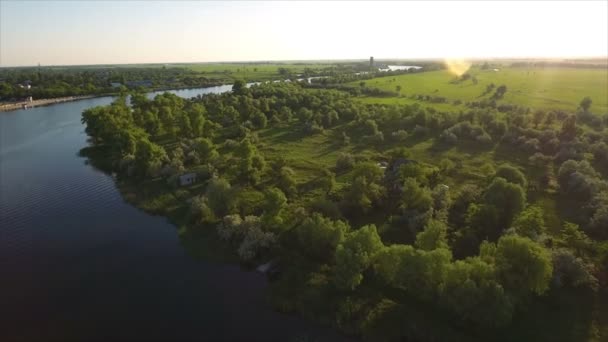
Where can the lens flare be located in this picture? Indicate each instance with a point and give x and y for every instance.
(457, 66)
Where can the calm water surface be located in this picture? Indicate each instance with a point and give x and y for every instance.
(78, 263)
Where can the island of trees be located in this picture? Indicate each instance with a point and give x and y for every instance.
(387, 221)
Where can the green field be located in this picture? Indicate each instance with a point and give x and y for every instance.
(546, 88)
(251, 71)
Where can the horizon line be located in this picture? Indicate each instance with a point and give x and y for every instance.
(324, 60)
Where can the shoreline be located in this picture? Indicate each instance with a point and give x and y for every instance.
(43, 102)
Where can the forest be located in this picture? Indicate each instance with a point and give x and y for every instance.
(485, 220)
(60, 81)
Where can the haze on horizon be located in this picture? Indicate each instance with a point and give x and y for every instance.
(104, 32)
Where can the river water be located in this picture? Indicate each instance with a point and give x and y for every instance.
(78, 263)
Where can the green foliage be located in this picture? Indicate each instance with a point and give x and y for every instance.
(508, 198)
(415, 196)
(433, 236)
(345, 162)
(523, 265)
(220, 196)
(354, 255)
(286, 181)
(512, 175)
(530, 223)
(319, 236)
(275, 203)
(471, 289)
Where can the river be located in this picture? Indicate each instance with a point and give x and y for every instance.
(78, 263)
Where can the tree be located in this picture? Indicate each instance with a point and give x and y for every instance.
(220, 196)
(363, 194)
(508, 198)
(530, 223)
(345, 161)
(354, 255)
(149, 158)
(398, 89)
(239, 87)
(573, 238)
(484, 221)
(327, 181)
(415, 197)
(371, 127)
(568, 131)
(512, 175)
(286, 181)
(275, 202)
(205, 149)
(258, 119)
(251, 163)
(523, 265)
(586, 104)
(417, 271)
(571, 271)
(319, 236)
(538, 117)
(471, 290)
(433, 236)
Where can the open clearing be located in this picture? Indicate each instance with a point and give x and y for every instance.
(537, 88)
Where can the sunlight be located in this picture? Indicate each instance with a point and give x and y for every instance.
(457, 66)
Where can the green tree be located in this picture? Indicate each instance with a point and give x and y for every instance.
(471, 290)
(220, 197)
(205, 149)
(433, 236)
(239, 87)
(508, 198)
(275, 202)
(149, 158)
(586, 104)
(354, 255)
(512, 175)
(523, 265)
(530, 223)
(568, 131)
(286, 181)
(319, 236)
(415, 196)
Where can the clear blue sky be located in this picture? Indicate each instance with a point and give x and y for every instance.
(99, 32)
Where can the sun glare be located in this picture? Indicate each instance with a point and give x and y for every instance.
(457, 66)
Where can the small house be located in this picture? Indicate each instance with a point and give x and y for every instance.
(115, 84)
(187, 179)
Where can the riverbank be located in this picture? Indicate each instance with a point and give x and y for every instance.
(7, 107)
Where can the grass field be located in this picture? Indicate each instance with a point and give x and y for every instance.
(251, 71)
(538, 88)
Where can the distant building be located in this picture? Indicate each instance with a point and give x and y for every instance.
(115, 84)
(371, 61)
(187, 179)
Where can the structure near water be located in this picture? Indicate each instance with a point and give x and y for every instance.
(371, 61)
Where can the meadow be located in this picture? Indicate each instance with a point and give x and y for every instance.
(534, 87)
(253, 71)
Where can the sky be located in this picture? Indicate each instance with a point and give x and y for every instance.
(108, 32)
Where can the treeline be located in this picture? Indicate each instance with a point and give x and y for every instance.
(389, 252)
(18, 83)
